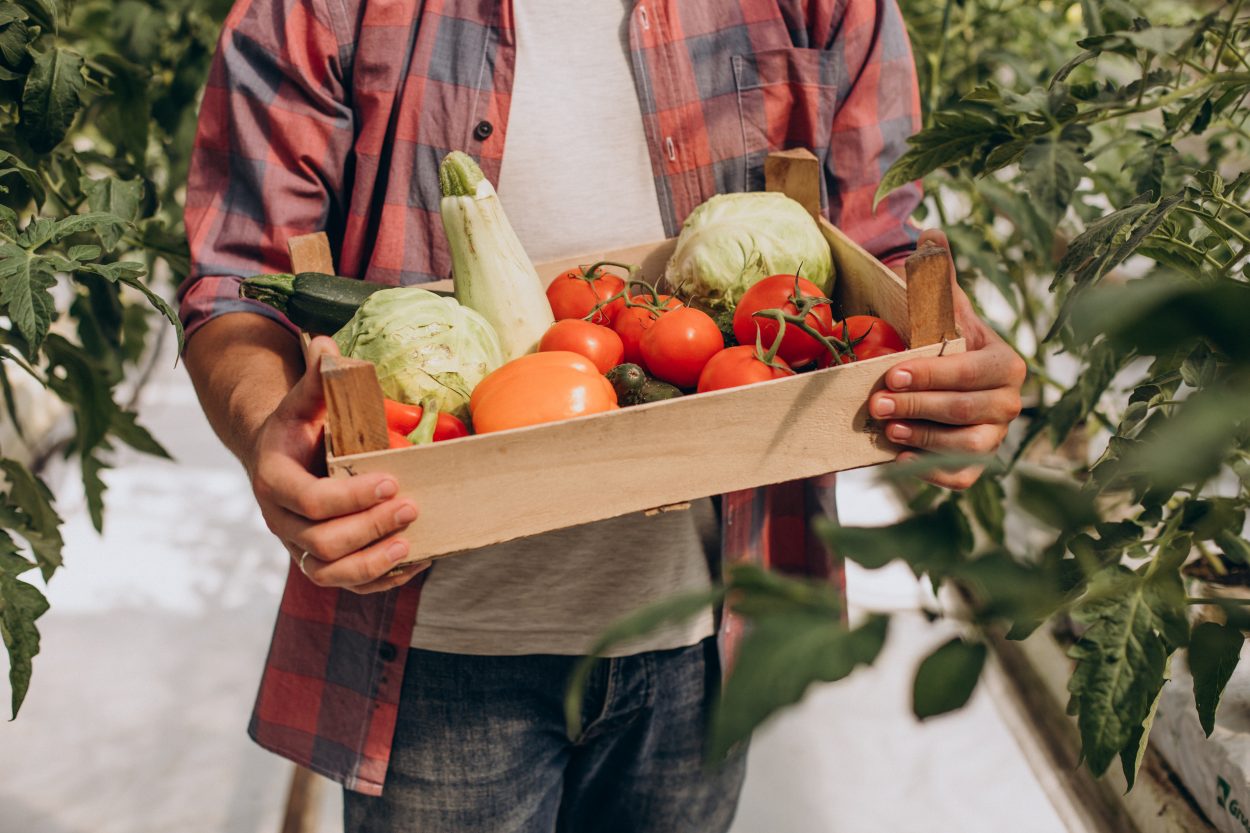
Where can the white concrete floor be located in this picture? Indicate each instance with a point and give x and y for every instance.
(152, 650)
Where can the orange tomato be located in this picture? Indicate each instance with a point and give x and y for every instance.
(540, 387)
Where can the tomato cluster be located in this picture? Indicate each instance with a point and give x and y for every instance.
(782, 324)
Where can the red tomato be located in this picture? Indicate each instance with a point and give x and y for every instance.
(572, 296)
(679, 344)
(632, 322)
(871, 337)
(598, 343)
(449, 428)
(738, 366)
(797, 347)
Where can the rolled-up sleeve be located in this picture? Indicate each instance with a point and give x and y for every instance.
(271, 151)
(879, 110)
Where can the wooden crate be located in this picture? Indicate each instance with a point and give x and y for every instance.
(495, 487)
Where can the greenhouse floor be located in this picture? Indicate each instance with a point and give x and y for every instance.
(152, 650)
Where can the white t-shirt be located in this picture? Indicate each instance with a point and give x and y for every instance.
(576, 178)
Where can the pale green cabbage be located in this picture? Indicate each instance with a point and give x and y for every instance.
(732, 241)
(422, 345)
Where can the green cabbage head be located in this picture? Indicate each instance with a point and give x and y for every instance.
(422, 345)
(732, 241)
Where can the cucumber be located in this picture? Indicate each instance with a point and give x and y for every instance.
(316, 303)
(634, 388)
(653, 390)
(627, 379)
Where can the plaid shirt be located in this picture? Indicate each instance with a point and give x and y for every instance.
(334, 114)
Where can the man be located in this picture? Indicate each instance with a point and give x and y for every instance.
(604, 124)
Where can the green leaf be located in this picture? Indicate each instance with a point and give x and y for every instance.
(1214, 650)
(1057, 503)
(947, 677)
(1134, 751)
(1052, 167)
(987, 500)
(1207, 518)
(107, 227)
(20, 605)
(13, 40)
(1120, 664)
(935, 539)
(24, 285)
(51, 98)
(158, 301)
(42, 12)
(110, 195)
(953, 138)
(40, 524)
(779, 659)
(1235, 548)
(126, 429)
(93, 486)
(83, 385)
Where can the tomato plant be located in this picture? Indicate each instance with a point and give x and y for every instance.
(780, 292)
(677, 346)
(598, 343)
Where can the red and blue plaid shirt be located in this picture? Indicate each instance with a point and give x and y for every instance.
(334, 114)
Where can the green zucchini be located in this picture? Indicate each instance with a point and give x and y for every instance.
(316, 303)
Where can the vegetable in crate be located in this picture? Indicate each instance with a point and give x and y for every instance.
(403, 419)
(573, 294)
(632, 321)
(491, 272)
(316, 303)
(598, 343)
(785, 293)
(733, 241)
(422, 346)
(542, 387)
(868, 337)
(677, 346)
(634, 388)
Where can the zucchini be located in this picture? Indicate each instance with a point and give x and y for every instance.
(316, 303)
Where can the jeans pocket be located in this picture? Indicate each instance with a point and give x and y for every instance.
(786, 98)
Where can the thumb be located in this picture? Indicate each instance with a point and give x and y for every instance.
(307, 399)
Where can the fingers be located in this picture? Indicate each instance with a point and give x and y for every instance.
(363, 571)
(993, 366)
(972, 439)
(339, 537)
(397, 577)
(1000, 405)
(283, 481)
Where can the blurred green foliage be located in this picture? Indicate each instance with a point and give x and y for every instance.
(97, 118)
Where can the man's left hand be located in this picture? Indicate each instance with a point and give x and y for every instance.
(955, 404)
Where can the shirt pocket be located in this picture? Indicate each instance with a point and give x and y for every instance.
(787, 98)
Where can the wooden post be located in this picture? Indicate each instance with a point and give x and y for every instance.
(930, 302)
(355, 415)
(795, 173)
(311, 253)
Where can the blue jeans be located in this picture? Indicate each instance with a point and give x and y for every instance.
(480, 745)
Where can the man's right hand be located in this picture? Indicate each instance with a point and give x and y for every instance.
(341, 530)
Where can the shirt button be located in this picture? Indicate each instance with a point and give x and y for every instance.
(386, 651)
(483, 130)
